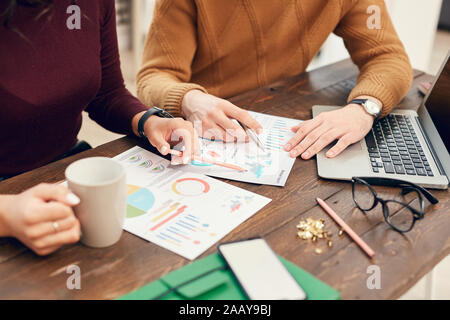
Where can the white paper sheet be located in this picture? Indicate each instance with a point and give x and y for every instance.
(183, 212)
(271, 167)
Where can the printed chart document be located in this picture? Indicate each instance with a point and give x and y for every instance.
(181, 211)
(271, 166)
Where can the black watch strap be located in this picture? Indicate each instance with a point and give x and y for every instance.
(155, 111)
(358, 101)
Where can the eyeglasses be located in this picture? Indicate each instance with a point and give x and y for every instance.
(399, 215)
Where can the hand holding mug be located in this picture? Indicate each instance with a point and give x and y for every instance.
(41, 217)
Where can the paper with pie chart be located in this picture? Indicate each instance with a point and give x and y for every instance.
(181, 211)
(271, 167)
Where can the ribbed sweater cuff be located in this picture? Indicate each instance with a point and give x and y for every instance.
(172, 103)
(368, 88)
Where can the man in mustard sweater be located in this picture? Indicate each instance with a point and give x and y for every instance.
(199, 52)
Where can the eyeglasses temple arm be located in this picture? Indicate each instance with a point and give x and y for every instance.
(400, 183)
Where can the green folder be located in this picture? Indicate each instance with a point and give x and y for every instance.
(209, 279)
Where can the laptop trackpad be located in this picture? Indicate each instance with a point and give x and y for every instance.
(354, 147)
(353, 161)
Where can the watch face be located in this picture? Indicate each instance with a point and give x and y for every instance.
(372, 107)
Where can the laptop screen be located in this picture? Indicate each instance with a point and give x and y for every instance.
(438, 104)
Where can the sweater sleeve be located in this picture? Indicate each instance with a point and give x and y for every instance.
(168, 54)
(385, 70)
(114, 106)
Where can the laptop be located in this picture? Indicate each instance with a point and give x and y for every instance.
(407, 145)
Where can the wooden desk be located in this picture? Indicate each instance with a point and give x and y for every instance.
(133, 262)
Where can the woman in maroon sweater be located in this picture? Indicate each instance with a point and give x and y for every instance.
(54, 64)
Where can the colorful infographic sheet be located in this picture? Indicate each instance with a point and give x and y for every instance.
(181, 211)
(271, 166)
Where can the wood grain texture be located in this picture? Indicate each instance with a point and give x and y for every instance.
(133, 262)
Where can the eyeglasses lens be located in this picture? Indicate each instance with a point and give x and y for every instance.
(363, 196)
(400, 216)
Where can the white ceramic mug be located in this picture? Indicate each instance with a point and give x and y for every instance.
(100, 183)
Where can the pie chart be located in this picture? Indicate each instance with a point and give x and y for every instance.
(139, 201)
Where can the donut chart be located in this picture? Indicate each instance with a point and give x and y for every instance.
(158, 168)
(146, 164)
(190, 187)
(134, 158)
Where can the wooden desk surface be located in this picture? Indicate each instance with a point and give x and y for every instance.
(133, 262)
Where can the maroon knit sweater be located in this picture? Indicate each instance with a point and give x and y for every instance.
(51, 76)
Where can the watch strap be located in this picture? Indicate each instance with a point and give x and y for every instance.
(358, 101)
(155, 111)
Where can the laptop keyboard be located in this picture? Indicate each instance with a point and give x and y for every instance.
(395, 149)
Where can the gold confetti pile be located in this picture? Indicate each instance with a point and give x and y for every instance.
(312, 230)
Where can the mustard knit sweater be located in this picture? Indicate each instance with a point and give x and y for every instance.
(226, 47)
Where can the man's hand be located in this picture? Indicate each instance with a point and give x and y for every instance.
(347, 125)
(215, 116)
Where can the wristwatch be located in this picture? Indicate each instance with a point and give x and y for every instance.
(155, 111)
(370, 106)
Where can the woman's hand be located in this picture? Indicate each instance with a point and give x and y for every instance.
(347, 125)
(215, 115)
(166, 132)
(41, 217)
